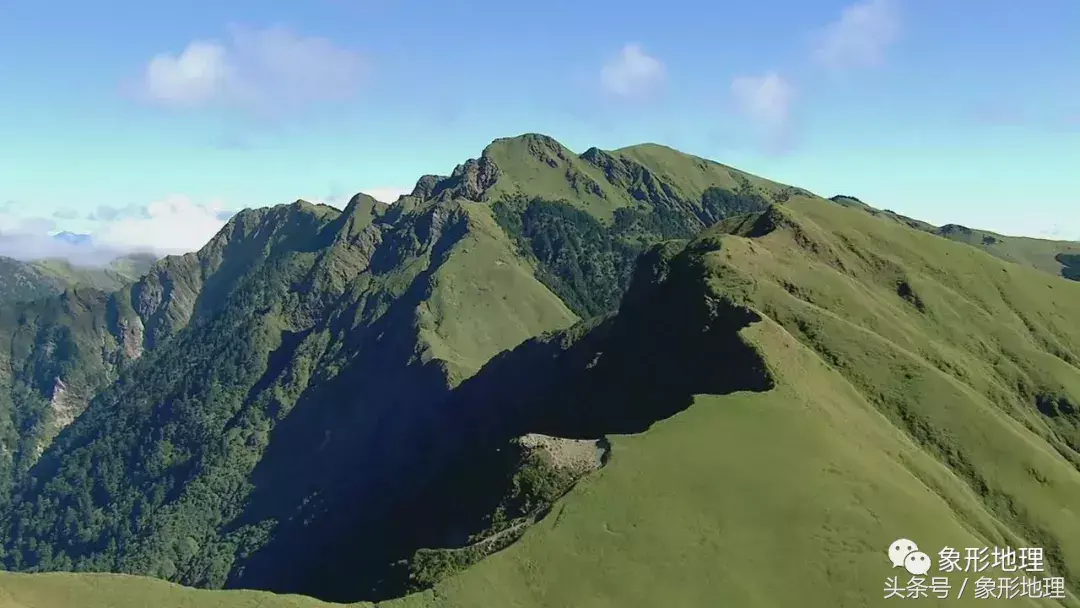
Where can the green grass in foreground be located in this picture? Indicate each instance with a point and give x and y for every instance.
(61, 590)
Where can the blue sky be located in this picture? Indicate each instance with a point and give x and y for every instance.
(147, 124)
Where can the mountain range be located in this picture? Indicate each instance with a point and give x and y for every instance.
(21, 281)
(1056, 257)
(617, 378)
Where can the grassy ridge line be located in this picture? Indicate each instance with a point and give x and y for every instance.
(65, 590)
(27, 281)
(1043, 254)
(599, 182)
(1059, 258)
(113, 276)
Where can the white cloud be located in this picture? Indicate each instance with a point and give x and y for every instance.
(32, 238)
(387, 194)
(765, 99)
(383, 194)
(264, 70)
(13, 222)
(860, 36)
(66, 214)
(1052, 224)
(174, 224)
(198, 75)
(1057, 232)
(633, 73)
(37, 246)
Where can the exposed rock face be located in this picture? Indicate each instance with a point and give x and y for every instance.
(426, 185)
(165, 299)
(64, 407)
(575, 456)
(955, 229)
(547, 150)
(147, 296)
(469, 180)
(131, 338)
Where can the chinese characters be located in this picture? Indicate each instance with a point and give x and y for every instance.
(1003, 573)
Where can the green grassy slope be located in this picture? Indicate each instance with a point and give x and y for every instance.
(485, 299)
(1056, 257)
(896, 412)
(1059, 258)
(19, 282)
(60, 590)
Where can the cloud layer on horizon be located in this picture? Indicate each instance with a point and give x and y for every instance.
(175, 224)
(172, 225)
(387, 194)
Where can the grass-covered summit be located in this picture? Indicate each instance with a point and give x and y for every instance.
(487, 395)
